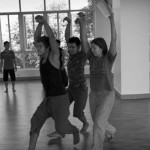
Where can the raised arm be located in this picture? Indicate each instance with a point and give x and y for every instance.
(53, 44)
(38, 31)
(14, 62)
(1, 64)
(113, 35)
(81, 20)
(52, 39)
(67, 30)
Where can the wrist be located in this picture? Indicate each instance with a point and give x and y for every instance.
(41, 23)
(69, 22)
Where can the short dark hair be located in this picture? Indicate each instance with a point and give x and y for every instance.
(58, 41)
(44, 40)
(6, 42)
(101, 43)
(75, 40)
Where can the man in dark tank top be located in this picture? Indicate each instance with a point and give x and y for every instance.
(56, 102)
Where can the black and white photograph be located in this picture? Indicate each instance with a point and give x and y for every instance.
(74, 74)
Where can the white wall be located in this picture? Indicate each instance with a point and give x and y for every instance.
(135, 46)
(131, 68)
(102, 26)
(117, 64)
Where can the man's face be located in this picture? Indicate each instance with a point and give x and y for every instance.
(73, 48)
(6, 46)
(41, 48)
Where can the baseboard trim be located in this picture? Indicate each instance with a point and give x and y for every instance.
(133, 96)
(25, 78)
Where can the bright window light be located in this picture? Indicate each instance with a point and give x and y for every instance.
(9, 6)
(32, 5)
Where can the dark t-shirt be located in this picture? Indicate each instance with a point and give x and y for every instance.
(75, 68)
(8, 59)
(101, 78)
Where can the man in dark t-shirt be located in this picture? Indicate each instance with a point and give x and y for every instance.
(8, 64)
(77, 89)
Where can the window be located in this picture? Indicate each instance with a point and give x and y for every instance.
(10, 30)
(17, 25)
(62, 26)
(77, 4)
(19, 60)
(52, 5)
(31, 60)
(29, 32)
(4, 28)
(32, 5)
(9, 6)
(14, 32)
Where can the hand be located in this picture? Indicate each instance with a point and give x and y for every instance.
(15, 68)
(81, 15)
(78, 21)
(67, 19)
(109, 6)
(81, 19)
(40, 19)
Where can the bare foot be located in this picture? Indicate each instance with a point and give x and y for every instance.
(76, 137)
(13, 90)
(54, 141)
(54, 134)
(84, 128)
(6, 91)
(110, 138)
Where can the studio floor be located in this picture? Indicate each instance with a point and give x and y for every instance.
(130, 117)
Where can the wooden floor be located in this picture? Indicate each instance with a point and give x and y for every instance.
(130, 117)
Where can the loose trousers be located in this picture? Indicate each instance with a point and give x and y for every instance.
(56, 107)
(101, 104)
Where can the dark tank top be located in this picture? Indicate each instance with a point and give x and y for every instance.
(51, 79)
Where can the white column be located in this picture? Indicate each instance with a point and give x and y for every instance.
(135, 46)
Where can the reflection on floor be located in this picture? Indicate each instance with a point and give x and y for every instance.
(130, 117)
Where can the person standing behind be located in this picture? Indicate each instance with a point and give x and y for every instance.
(102, 94)
(8, 66)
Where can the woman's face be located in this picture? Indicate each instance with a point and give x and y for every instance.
(97, 51)
(41, 49)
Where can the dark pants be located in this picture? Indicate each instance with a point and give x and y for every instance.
(56, 107)
(10, 72)
(79, 96)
